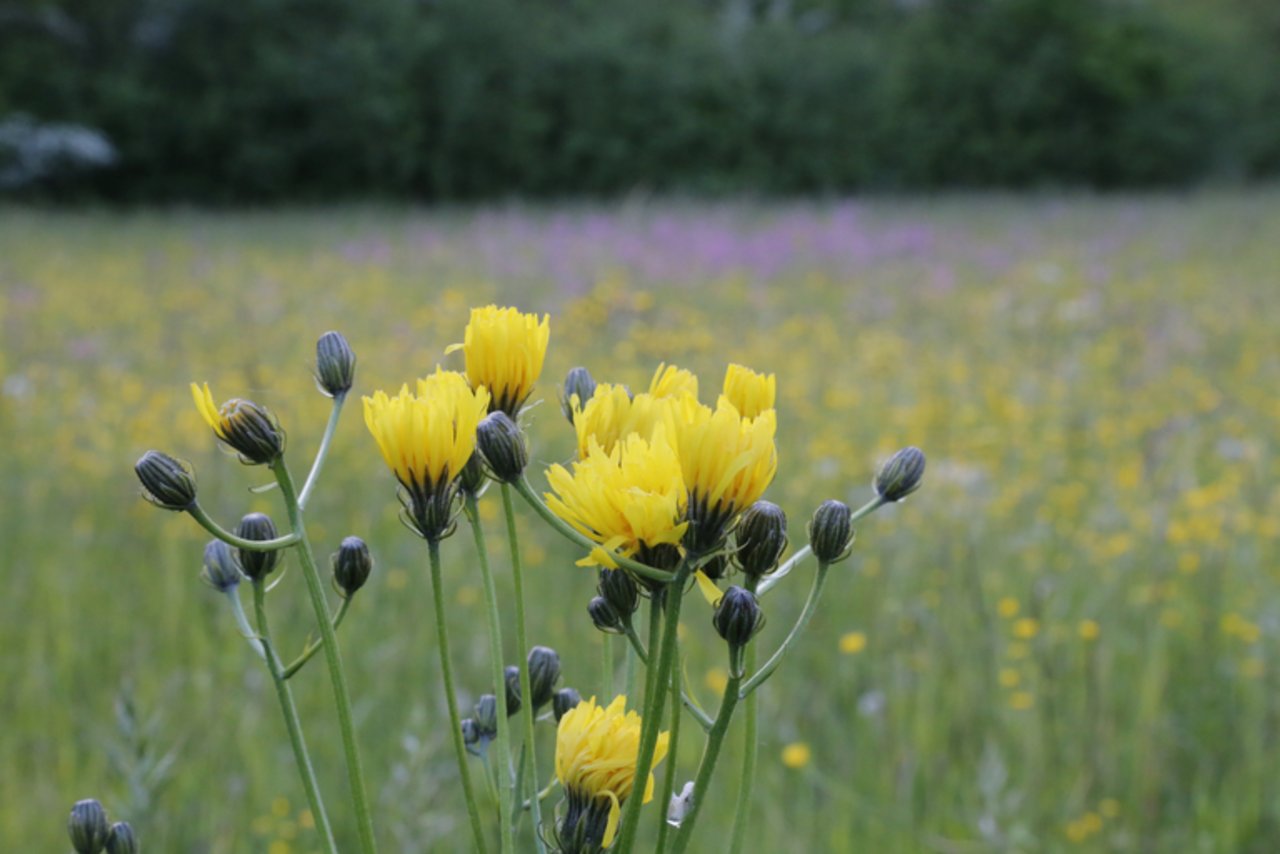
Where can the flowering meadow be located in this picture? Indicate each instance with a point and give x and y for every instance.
(1066, 640)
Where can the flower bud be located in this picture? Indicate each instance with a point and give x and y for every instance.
(544, 673)
(257, 527)
(335, 364)
(166, 482)
(87, 827)
(121, 839)
(499, 440)
(351, 566)
(738, 616)
(486, 716)
(564, 700)
(251, 430)
(715, 567)
(831, 531)
(604, 616)
(901, 476)
(473, 479)
(220, 570)
(620, 591)
(470, 732)
(761, 538)
(511, 676)
(580, 384)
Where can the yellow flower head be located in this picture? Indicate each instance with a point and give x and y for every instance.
(670, 381)
(426, 439)
(612, 414)
(504, 349)
(242, 424)
(749, 392)
(596, 752)
(628, 500)
(727, 461)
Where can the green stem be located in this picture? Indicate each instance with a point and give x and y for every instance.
(506, 795)
(206, 521)
(658, 677)
(669, 778)
(522, 644)
(323, 451)
(567, 531)
(741, 815)
(451, 696)
(710, 753)
(638, 652)
(606, 665)
(811, 604)
(333, 657)
(291, 721)
(242, 622)
(313, 647)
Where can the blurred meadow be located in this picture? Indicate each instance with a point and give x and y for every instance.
(1066, 641)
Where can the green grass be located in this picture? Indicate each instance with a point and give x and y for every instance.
(1094, 380)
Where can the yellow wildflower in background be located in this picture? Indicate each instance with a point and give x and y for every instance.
(796, 755)
(749, 392)
(504, 350)
(612, 414)
(671, 381)
(596, 752)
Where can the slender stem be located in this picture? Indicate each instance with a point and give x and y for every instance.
(669, 778)
(658, 676)
(206, 521)
(741, 815)
(629, 681)
(781, 572)
(543, 795)
(526, 491)
(323, 451)
(606, 664)
(638, 652)
(333, 657)
(291, 721)
(505, 793)
(242, 622)
(313, 647)
(522, 644)
(710, 753)
(810, 605)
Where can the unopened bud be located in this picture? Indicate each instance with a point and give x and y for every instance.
(473, 479)
(335, 364)
(87, 827)
(166, 482)
(351, 566)
(564, 700)
(470, 732)
(511, 677)
(619, 590)
(220, 570)
(738, 616)
(761, 538)
(604, 616)
(251, 430)
(580, 384)
(544, 673)
(499, 440)
(486, 716)
(258, 527)
(121, 839)
(831, 531)
(901, 476)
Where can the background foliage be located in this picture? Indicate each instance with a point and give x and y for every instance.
(266, 100)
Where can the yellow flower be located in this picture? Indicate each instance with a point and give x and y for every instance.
(242, 424)
(796, 755)
(612, 414)
(852, 643)
(426, 439)
(629, 500)
(504, 349)
(749, 392)
(670, 381)
(596, 753)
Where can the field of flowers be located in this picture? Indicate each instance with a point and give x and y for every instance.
(1066, 640)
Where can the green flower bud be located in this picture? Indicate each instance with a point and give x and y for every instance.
(166, 482)
(511, 676)
(251, 430)
(87, 827)
(901, 476)
(761, 538)
(564, 700)
(486, 716)
(499, 440)
(121, 839)
(335, 364)
(738, 616)
(470, 732)
(604, 616)
(473, 479)
(619, 590)
(580, 384)
(220, 570)
(544, 673)
(351, 566)
(257, 527)
(831, 531)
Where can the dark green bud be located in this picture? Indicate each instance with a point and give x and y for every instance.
(220, 570)
(619, 590)
(544, 673)
(738, 616)
(901, 476)
(470, 732)
(761, 538)
(257, 527)
(578, 383)
(715, 567)
(351, 566)
(831, 531)
(604, 616)
(252, 431)
(499, 440)
(166, 482)
(486, 716)
(564, 700)
(121, 839)
(335, 364)
(511, 676)
(87, 827)
(473, 479)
